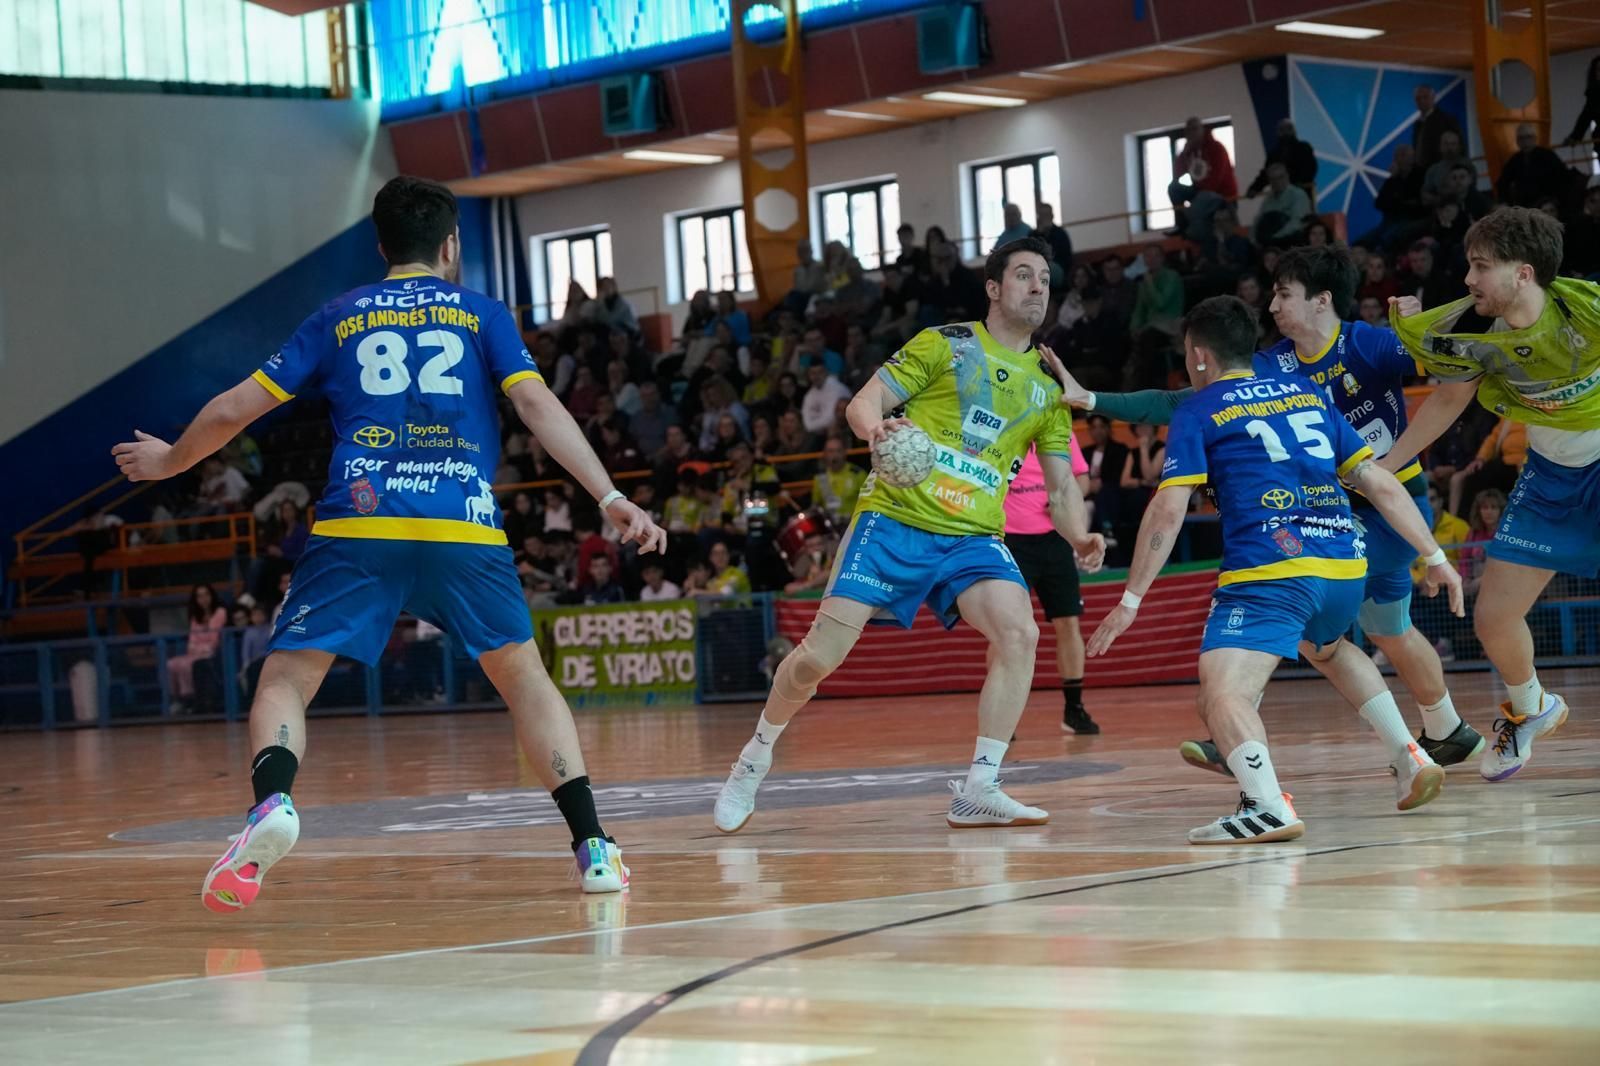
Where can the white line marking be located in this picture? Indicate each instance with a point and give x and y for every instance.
(1246, 858)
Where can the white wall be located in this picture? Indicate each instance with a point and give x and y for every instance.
(130, 217)
(1089, 132)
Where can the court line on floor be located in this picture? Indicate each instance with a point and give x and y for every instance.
(1143, 873)
(599, 1048)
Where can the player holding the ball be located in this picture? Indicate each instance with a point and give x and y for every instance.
(972, 397)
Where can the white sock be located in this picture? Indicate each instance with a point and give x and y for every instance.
(758, 749)
(1441, 719)
(1526, 698)
(1383, 715)
(1252, 768)
(986, 757)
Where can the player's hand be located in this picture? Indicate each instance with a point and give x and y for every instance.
(1072, 394)
(637, 526)
(1447, 576)
(882, 429)
(1116, 623)
(145, 458)
(1405, 306)
(1090, 552)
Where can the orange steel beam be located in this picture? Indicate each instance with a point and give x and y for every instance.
(1492, 45)
(776, 207)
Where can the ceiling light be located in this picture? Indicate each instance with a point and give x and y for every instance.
(836, 113)
(652, 155)
(1328, 29)
(975, 99)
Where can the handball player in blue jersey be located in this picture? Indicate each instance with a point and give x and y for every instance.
(411, 367)
(1293, 574)
(1361, 370)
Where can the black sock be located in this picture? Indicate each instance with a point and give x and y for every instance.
(1073, 690)
(272, 771)
(576, 801)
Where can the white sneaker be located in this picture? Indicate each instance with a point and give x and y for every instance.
(1252, 823)
(737, 800)
(1513, 742)
(988, 807)
(600, 868)
(1417, 778)
(234, 880)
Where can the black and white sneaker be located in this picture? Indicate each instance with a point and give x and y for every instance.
(1203, 755)
(1076, 720)
(1463, 744)
(1252, 823)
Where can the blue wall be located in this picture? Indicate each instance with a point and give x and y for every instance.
(68, 453)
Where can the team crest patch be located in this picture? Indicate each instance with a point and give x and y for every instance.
(1288, 543)
(1524, 351)
(1287, 361)
(363, 496)
(1000, 374)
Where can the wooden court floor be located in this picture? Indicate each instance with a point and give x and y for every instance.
(426, 915)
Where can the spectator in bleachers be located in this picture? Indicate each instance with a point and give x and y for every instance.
(788, 395)
(1096, 347)
(1461, 188)
(718, 398)
(676, 450)
(731, 315)
(602, 586)
(953, 292)
(1141, 471)
(1373, 311)
(624, 346)
(813, 347)
(1499, 460)
(1297, 156)
(610, 309)
(1428, 133)
(557, 511)
(1400, 201)
(1488, 505)
(96, 535)
(1532, 174)
(1015, 228)
(861, 356)
(758, 390)
(1284, 212)
(1157, 314)
(793, 437)
(813, 566)
(1583, 237)
(1070, 308)
(727, 578)
(1424, 280)
(1225, 251)
(1448, 531)
(243, 454)
(1059, 240)
(933, 239)
(555, 366)
(1106, 459)
(763, 437)
(727, 437)
(223, 490)
(808, 279)
(283, 541)
(1119, 291)
(584, 394)
(681, 517)
(1590, 115)
(823, 393)
(1203, 179)
(207, 617)
(616, 449)
(1438, 172)
(1379, 283)
(898, 317)
(913, 258)
(701, 314)
(521, 520)
(656, 586)
(624, 393)
(253, 649)
(697, 579)
(1317, 233)
(837, 485)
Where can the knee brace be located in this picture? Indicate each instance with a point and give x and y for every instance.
(827, 643)
(1385, 619)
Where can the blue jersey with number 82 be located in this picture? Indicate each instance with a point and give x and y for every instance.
(1274, 451)
(411, 367)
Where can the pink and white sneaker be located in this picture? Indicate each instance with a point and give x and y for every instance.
(599, 866)
(269, 833)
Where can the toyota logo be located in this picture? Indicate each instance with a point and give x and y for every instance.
(1278, 499)
(373, 437)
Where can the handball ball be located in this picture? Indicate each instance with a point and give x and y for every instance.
(904, 457)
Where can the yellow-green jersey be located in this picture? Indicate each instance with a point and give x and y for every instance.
(983, 404)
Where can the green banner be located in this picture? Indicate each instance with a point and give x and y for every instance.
(634, 653)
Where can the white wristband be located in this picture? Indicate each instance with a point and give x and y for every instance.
(1436, 559)
(1088, 405)
(1131, 600)
(610, 498)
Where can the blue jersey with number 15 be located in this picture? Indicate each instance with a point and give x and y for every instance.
(411, 367)
(1274, 452)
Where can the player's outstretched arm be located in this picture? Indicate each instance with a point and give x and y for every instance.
(1068, 513)
(1163, 521)
(1150, 406)
(1395, 504)
(147, 458)
(866, 410)
(549, 420)
(1437, 414)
